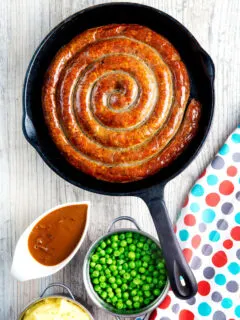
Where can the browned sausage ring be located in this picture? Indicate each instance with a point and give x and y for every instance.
(115, 101)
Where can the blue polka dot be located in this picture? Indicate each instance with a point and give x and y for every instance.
(236, 138)
(237, 217)
(214, 236)
(224, 150)
(227, 303)
(220, 279)
(197, 190)
(208, 215)
(183, 234)
(212, 180)
(237, 311)
(204, 309)
(194, 207)
(234, 268)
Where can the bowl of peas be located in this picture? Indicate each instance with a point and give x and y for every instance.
(124, 271)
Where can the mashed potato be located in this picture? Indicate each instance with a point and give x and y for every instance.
(55, 309)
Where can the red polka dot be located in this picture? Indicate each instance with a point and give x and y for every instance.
(175, 228)
(153, 315)
(203, 288)
(190, 220)
(228, 244)
(187, 254)
(235, 233)
(203, 173)
(232, 171)
(186, 315)
(212, 199)
(166, 302)
(219, 259)
(226, 187)
(196, 240)
(185, 202)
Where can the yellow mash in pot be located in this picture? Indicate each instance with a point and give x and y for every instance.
(55, 309)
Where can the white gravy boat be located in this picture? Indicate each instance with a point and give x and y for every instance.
(25, 267)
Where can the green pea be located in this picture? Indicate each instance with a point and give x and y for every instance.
(98, 267)
(138, 255)
(138, 264)
(116, 253)
(109, 261)
(147, 293)
(151, 268)
(120, 261)
(125, 266)
(113, 267)
(126, 276)
(125, 295)
(103, 260)
(119, 305)
(108, 241)
(136, 305)
(141, 270)
(129, 240)
(112, 280)
(109, 250)
(122, 236)
(132, 264)
(107, 272)
(121, 250)
(154, 246)
(103, 285)
(97, 288)
(114, 237)
(145, 287)
(95, 274)
(136, 298)
(119, 281)
(156, 292)
(95, 257)
(102, 279)
(95, 281)
(103, 245)
(146, 258)
(123, 243)
(128, 234)
(104, 295)
(119, 295)
(136, 281)
(102, 253)
(121, 272)
(124, 287)
(114, 299)
(149, 279)
(133, 292)
(118, 290)
(109, 289)
(155, 281)
(155, 273)
(132, 247)
(140, 245)
(114, 286)
(114, 245)
(133, 273)
(131, 255)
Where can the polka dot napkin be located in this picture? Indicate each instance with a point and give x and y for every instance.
(208, 230)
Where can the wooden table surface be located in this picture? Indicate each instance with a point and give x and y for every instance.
(28, 187)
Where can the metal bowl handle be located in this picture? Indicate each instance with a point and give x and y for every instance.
(110, 228)
(58, 285)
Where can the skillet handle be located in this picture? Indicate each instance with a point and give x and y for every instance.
(181, 278)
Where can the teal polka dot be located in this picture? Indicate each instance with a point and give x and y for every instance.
(212, 180)
(237, 311)
(208, 215)
(183, 234)
(224, 150)
(197, 190)
(234, 268)
(214, 236)
(227, 303)
(194, 207)
(236, 138)
(220, 279)
(204, 309)
(237, 217)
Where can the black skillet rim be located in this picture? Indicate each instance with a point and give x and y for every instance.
(99, 190)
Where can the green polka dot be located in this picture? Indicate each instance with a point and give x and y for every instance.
(236, 138)
(214, 236)
(227, 303)
(183, 234)
(224, 150)
(194, 207)
(237, 217)
(234, 268)
(197, 190)
(208, 215)
(220, 279)
(204, 309)
(212, 180)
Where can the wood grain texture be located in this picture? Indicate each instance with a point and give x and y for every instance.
(28, 187)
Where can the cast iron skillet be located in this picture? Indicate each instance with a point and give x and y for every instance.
(201, 71)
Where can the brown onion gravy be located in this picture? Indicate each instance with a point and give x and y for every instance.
(56, 235)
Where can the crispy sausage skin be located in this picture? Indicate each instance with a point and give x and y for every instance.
(115, 100)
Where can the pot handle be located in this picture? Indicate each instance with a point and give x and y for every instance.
(110, 228)
(58, 285)
(182, 280)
